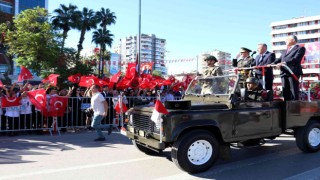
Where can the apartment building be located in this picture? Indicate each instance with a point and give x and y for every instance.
(152, 50)
(307, 29)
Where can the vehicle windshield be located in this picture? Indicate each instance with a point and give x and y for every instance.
(219, 85)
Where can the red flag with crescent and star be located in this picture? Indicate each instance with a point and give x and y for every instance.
(57, 106)
(87, 81)
(10, 101)
(38, 99)
(25, 74)
(74, 78)
(52, 79)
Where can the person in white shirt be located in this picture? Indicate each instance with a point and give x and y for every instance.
(100, 110)
(25, 112)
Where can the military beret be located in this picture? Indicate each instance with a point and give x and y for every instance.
(210, 58)
(243, 49)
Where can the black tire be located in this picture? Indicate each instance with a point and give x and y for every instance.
(184, 149)
(142, 148)
(308, 137)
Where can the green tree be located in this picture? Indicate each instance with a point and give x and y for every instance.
(32, 40)
(86, 23)
(66, 18)
(106, 17)
(102, 38)
(156, 73)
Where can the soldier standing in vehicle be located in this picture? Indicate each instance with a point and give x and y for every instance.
(212, 69)
(244, 60)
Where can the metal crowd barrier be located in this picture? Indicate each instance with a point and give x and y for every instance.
(75, 116)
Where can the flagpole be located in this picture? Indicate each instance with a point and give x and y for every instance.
(121, 110)
(139, 40)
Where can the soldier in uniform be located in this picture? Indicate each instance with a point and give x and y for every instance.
(244, 60)
(254, 91)
(212, 69)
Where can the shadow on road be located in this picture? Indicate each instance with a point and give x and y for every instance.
(13, 148)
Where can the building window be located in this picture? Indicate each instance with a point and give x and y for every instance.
(279, 43)
(281, 27)
(301, 32)
(303, 24)
(6, 7)
(23, 5)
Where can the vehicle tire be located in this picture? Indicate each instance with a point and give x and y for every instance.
(142, 148)
(195, 151)
(308, 137)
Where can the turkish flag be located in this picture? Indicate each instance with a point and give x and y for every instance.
(131, 71)
(57, 106)
(10, 101)
(118, 107)
(52, 79)
(158, 110)
(38, 99)
(25, 74)
(115, 78)
(75, 78)
(87, 81)
(102, 82)
(1, 84)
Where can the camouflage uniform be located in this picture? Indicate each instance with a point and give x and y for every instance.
(242, 63)
(213, 71)
(256, 95)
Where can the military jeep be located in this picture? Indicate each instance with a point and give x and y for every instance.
(213, 115)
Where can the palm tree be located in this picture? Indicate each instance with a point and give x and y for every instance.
(66, 19)
(102, 38)
(86, 23)
(106, 17)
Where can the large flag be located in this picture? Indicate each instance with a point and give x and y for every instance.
(52, 79)
(131, 71)
(158, 110)
(57, 106)
(115, 78)
(118, 107)
(75, 78)
(25, 74)
(87, 81)
(146, 68)
(10, 101)
(38, 99)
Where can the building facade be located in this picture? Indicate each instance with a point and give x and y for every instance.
(152, 50)
(224, 59)
(307, 29)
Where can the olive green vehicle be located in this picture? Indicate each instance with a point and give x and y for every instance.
(214, 115)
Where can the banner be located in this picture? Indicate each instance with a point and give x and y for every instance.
(114, 63)
(146, 68)
(312, 54)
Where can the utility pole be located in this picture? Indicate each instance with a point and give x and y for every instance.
(139, 40)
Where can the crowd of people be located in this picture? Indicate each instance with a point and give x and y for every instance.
(27, 119)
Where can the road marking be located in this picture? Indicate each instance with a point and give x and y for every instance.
(311, 174)
(49, 171)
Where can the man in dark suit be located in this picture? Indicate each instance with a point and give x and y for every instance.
(292, 57)
(264, 58)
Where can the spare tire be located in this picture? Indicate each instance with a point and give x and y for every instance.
(181, 104)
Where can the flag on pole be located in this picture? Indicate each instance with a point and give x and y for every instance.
(118, 108)
(25, 74)
(158, 110)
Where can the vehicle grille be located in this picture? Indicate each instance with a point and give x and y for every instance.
(143, 122)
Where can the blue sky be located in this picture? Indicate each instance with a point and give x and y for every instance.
(194, 26)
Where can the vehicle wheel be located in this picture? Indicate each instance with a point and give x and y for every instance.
(308, 137)
(142, 148)
(195, 151)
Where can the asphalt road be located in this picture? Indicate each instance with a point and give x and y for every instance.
(77, 156)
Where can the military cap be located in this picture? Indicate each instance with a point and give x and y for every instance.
(243, 49)
(252, 80)
(211, 58)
